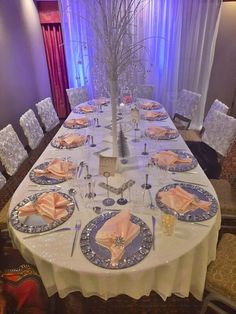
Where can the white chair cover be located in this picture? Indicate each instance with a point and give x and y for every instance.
(31, 128)
(145, 91)
(2, 180)
(217, 105)
(220, 132)
(12, 152)
(187, 103)
(47, 114)
(77, 95)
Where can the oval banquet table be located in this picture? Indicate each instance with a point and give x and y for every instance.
(179, 262)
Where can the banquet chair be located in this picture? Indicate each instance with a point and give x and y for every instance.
(194, 135)
(31, 128)
(186, 106)
(3, 209)
(145, 91)
(12, 151)
(77, 95)
(226, 194)
(218, 136)
(221, 277)
(47, 113)
(2, 180)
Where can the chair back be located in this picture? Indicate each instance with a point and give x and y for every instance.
(2, 180)
(187, 103)
(12, 151)
(217, 105)
(47, 114)
(31, 128)
(220, 132)
(145, 91)
(77, 95)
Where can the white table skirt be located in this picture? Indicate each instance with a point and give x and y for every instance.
(179, 263)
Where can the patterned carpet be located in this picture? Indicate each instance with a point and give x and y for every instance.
(152, 304)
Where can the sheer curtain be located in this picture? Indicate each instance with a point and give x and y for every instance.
(179, 52)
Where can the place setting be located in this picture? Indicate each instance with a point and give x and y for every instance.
(150, 105)
(116, 240)
(69, 141)
(53, 172)
(42, 212)
(188, 202)
(84, 108)
(77, 123)
(154, 115)
(161, 133)
(174, 160)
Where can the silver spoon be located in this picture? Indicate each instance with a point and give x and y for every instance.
(72, 193)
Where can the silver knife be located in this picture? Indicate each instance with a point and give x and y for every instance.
(153, 232)
(101, 151)
(46, 233)
(77, 228)
(188, 182)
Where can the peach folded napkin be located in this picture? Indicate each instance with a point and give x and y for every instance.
(86, 108)
(69, 140)
(153, 115)
(150, 105)
(156, 131)
(59, 169)
(80, 121)
(168, 158)
(51, 205)
(116, 234)
(181, 201)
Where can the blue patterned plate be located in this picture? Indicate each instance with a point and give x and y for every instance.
(100, 256)
(169, 136)
(44, 180)
(161, 117)
(35, 223)
(181, 167)
(56, 143)
(196, 215)
(79, 109)
(76, 126)
(153, 105)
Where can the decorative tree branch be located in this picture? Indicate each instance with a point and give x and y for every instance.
(113, 25)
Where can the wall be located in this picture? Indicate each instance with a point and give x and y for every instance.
(223, 75)
(23, 66)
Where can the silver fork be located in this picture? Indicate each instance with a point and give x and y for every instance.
(77, 229)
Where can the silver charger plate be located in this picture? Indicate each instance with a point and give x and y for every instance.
(76, 126)
(164, 137)
(78, 109)
(192, 216)
(35, 223)
(156, 105)
(55, 143)
(163, 116)
(181, 167)
(44, 180)
(134, 253)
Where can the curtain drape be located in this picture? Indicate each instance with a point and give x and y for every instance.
(179, 48)
(52, 36)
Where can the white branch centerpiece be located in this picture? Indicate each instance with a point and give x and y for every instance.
(114, 26)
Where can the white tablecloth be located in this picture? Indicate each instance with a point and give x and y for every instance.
(177, 265)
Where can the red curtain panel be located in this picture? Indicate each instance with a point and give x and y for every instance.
(53, 41)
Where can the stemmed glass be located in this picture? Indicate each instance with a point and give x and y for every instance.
(122, 200)
(146, 185)
(108, 201)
